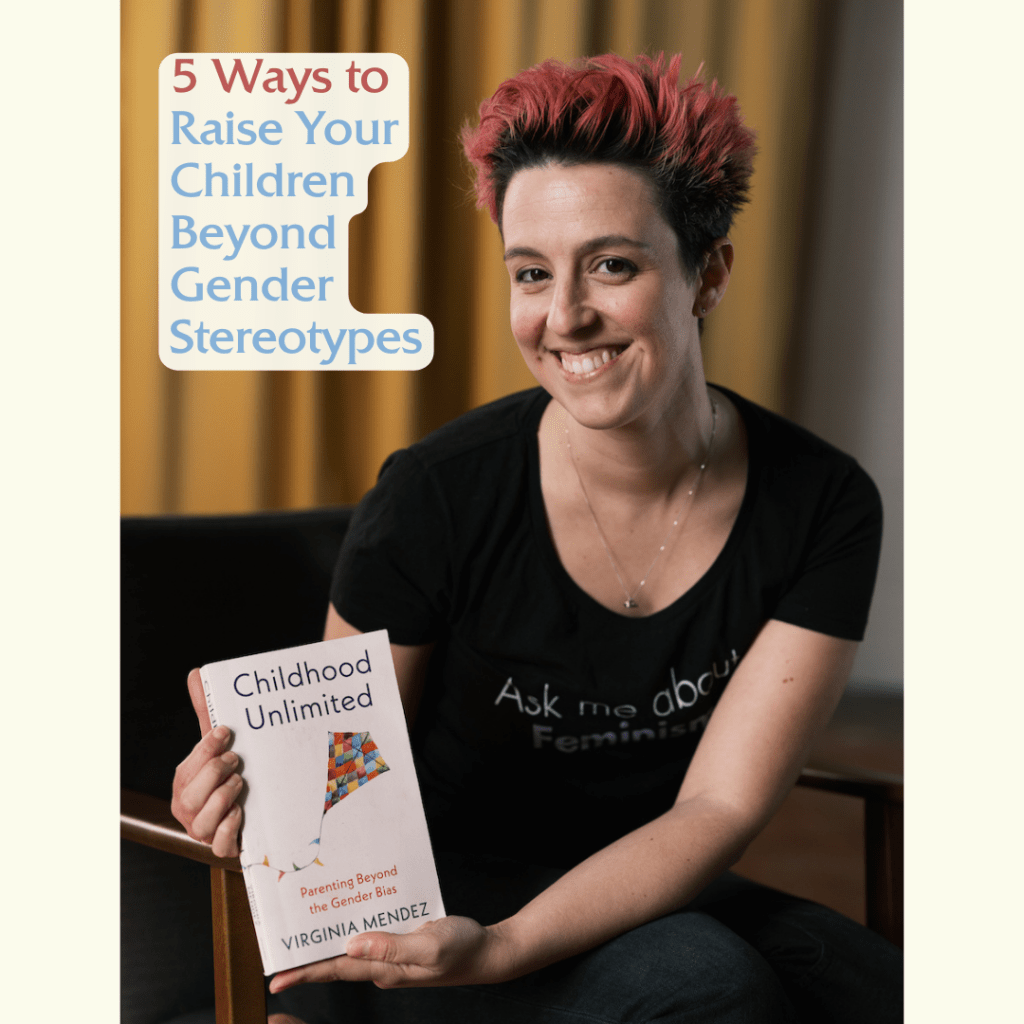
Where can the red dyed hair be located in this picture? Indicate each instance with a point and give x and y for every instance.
(690, 141)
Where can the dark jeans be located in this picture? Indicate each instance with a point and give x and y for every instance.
(738, 954)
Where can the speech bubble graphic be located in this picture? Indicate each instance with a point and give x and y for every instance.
(264, 160)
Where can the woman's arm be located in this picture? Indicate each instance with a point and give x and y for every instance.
(410, 662)
(758, 738)
(206, 784)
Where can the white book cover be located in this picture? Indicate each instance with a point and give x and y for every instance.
(334, 839)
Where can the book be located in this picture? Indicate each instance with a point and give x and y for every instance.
(334, 840)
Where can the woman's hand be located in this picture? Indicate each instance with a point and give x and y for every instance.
(451, 951)
(206, 783)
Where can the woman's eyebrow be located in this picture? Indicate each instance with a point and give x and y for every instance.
(589, 246)
(521, 250)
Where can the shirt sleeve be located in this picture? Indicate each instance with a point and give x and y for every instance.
(394, 568)
(832, 588)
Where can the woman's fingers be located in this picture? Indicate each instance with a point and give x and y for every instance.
(212, 745)
(225, 839)
(207, 807)
(452, 951)
(207, 783)
(214, 809)
(422, 948)
(355, 967)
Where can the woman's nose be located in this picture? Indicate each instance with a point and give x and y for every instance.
(570, 311)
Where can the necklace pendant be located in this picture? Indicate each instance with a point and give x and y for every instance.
(630, 603)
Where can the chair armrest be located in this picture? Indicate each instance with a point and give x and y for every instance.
(868, 785)
(148, 820)
(238, 974)
(882, 794)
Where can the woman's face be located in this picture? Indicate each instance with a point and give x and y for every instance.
(600, 307)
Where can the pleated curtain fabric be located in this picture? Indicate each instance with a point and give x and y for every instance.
(195, 442)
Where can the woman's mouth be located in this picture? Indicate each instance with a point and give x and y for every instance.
(583, 364)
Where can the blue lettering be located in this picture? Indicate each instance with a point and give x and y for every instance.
(214, 134)
(236, 242)
(334, 345)
(222, 335)
(246, 136)
(372, 141)
(330, 137)
(218, 284)
(299, 347)
(387, 335)
(208, 232)
(186, 298)
(270, 128)
(273, 236)
(184, 337)
(314, 180)
(264, 334)
(282, 281)
(328, 228)
(352, 342)
(184, 228)
(177, 188)
(310, 141)
(183, 128)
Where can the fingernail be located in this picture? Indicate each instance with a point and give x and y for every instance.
(357, 949)
(230, 758)
(235, 780)
(221, 732)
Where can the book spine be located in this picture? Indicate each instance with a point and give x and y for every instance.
(209, 698)
(262, 938)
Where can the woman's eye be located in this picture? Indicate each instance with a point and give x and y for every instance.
(531, 275)
(615, 265)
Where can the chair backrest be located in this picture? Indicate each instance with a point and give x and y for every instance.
(204, 588)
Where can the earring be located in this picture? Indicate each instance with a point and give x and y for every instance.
(703, 309)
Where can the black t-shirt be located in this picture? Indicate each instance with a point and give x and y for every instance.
(550, 725)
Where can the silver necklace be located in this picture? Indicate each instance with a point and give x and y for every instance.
(631, 601)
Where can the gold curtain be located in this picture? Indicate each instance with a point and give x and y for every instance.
(234, 441)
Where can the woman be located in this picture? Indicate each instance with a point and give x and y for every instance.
(575, 578)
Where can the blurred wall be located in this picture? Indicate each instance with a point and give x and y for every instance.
(849, 358)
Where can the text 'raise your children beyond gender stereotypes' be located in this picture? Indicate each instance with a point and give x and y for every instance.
(256, 195)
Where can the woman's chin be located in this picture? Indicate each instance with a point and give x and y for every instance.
(596, 409)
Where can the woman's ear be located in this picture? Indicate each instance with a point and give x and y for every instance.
(714, 279)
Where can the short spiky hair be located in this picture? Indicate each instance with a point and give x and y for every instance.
(690, 142)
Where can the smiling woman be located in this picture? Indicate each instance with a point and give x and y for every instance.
(621, 607)
(596, 271)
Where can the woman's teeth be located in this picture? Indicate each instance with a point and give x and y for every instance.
(588, 363)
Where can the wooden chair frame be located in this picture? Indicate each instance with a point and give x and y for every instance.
(238, 971)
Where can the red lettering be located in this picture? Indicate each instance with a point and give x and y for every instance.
(325, 82)
(180, 73)
(299, 85)
(239, 70)
(278, 75)
(383, 80)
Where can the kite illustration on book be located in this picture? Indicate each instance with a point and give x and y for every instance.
(353, 760)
